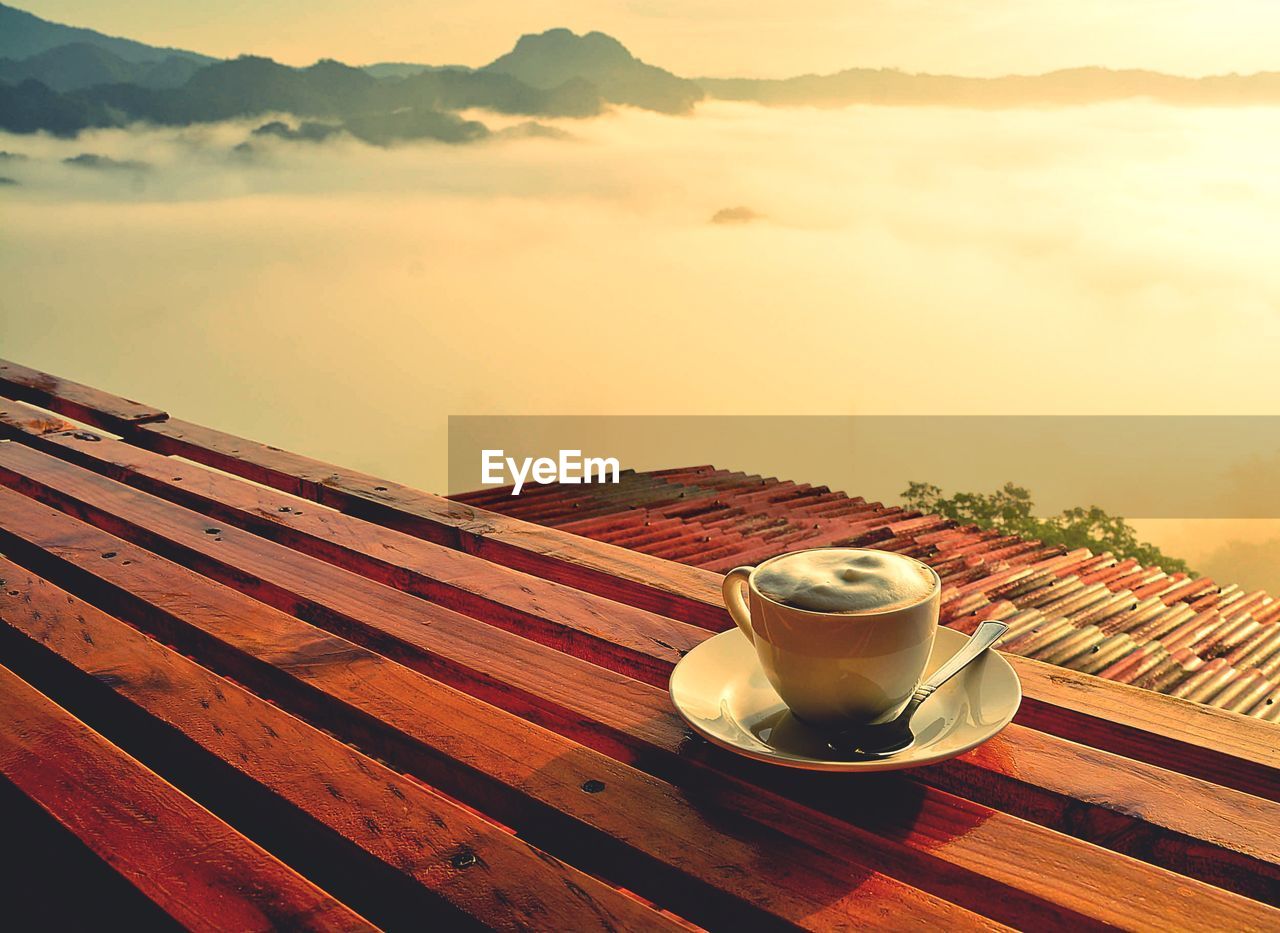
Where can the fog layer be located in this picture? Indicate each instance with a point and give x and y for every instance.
(344, 300)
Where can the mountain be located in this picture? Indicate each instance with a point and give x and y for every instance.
(1068, 87)
(379, 129)
(346, 89)
(242, 87)
(329, 96)
(30, 107)
(82, 64)
(249, 84)
(23, 35)
(372, 109)
(406, 69)
(62, 80)
(386, 128)
(393, 69)
(458, 89)
(224, 90)
(549, 59)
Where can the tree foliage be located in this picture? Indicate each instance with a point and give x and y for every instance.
(1010, 509)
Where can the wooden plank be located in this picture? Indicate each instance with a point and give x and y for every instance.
(501, 667)
(711, 866)
(634, 641)
(40, 858)
(578, 562)
(1180, 738)
(470, 864)
(938, 842)
(1201, 741)
(84, 403)
(1189, 738)
(19, 420)
(1185, 824)
(192, 865)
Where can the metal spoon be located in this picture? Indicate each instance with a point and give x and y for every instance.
(889, 738)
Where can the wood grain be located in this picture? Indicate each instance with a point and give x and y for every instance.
(587, 565)
(20, 421)
(634, 641)
(1153, 761)
(192, 865)
(948, 842)
(82, 402)
(1184, 824)
(470, 864)
(710, 866)
(1178, 735)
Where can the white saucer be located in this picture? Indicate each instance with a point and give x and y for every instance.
(720, 690)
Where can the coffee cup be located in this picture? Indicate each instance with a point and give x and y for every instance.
(843, 634)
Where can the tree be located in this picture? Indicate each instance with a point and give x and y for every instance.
(1010, 510)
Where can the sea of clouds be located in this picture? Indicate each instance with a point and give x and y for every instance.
(343, 299)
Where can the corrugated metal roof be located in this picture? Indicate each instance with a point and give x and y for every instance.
(1101, 614)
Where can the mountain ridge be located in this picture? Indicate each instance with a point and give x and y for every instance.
(1062, 87)
(101, 81)
(24, 34)
(81, 64)
(552, 57)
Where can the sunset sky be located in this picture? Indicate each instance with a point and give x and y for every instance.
(716, 37)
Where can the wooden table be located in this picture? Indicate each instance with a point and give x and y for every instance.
(278, 693)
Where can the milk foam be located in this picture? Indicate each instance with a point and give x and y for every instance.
(844, 580)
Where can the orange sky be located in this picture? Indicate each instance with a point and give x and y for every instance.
(716, 37)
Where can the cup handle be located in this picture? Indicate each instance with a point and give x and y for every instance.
(733, 601)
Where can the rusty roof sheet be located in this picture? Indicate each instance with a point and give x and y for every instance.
(1101, 614)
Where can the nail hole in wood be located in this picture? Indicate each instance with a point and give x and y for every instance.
(593, 786)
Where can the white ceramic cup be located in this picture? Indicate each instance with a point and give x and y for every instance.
(837, 669)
